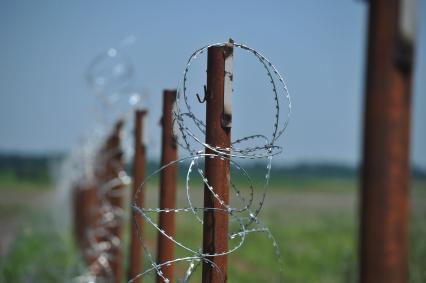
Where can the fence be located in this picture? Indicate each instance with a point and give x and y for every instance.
(99, 205)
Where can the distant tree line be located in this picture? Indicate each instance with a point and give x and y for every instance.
(299, 170)
(33, 168)
(37, 168)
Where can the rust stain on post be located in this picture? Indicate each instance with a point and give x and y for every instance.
(139, 168)
(168, 179)
(215, 229)
(386, 171)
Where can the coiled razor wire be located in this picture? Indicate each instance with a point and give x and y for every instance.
(109, 76)
(246, 216)
(101, 243)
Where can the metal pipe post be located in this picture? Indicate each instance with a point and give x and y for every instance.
(113, 167)
(385, 169)
(139, 168)
(168, 179)
(217, 170)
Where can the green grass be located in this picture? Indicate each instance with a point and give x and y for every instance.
(9, 181)
(418, 234)
(40, 254)
(314, 221)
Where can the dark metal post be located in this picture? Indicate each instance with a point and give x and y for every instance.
(385, 169)
(139, 167)
(215, 229)
(168, 181)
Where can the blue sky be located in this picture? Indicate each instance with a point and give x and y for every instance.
(319, 46)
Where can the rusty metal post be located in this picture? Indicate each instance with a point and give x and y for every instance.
(90, 207)
(139, 167)
(86, 205)
(114, 164)
(385, 169)
(215, 229)
(168, 179)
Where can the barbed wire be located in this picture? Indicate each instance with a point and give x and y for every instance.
(246, 217)
(110, 78)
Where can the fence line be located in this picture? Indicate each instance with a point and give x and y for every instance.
(246, 216)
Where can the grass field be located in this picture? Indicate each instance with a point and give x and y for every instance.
(9, 181)
(314, 220)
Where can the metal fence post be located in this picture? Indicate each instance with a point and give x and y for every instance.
(139, 168)
(168, 179)
(385, 171)
(114, 164)
(217, 170)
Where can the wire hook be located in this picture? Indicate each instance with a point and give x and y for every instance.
(205, 95)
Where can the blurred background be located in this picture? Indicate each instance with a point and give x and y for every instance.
(48, 108)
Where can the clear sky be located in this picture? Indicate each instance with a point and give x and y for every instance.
(319, 46)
